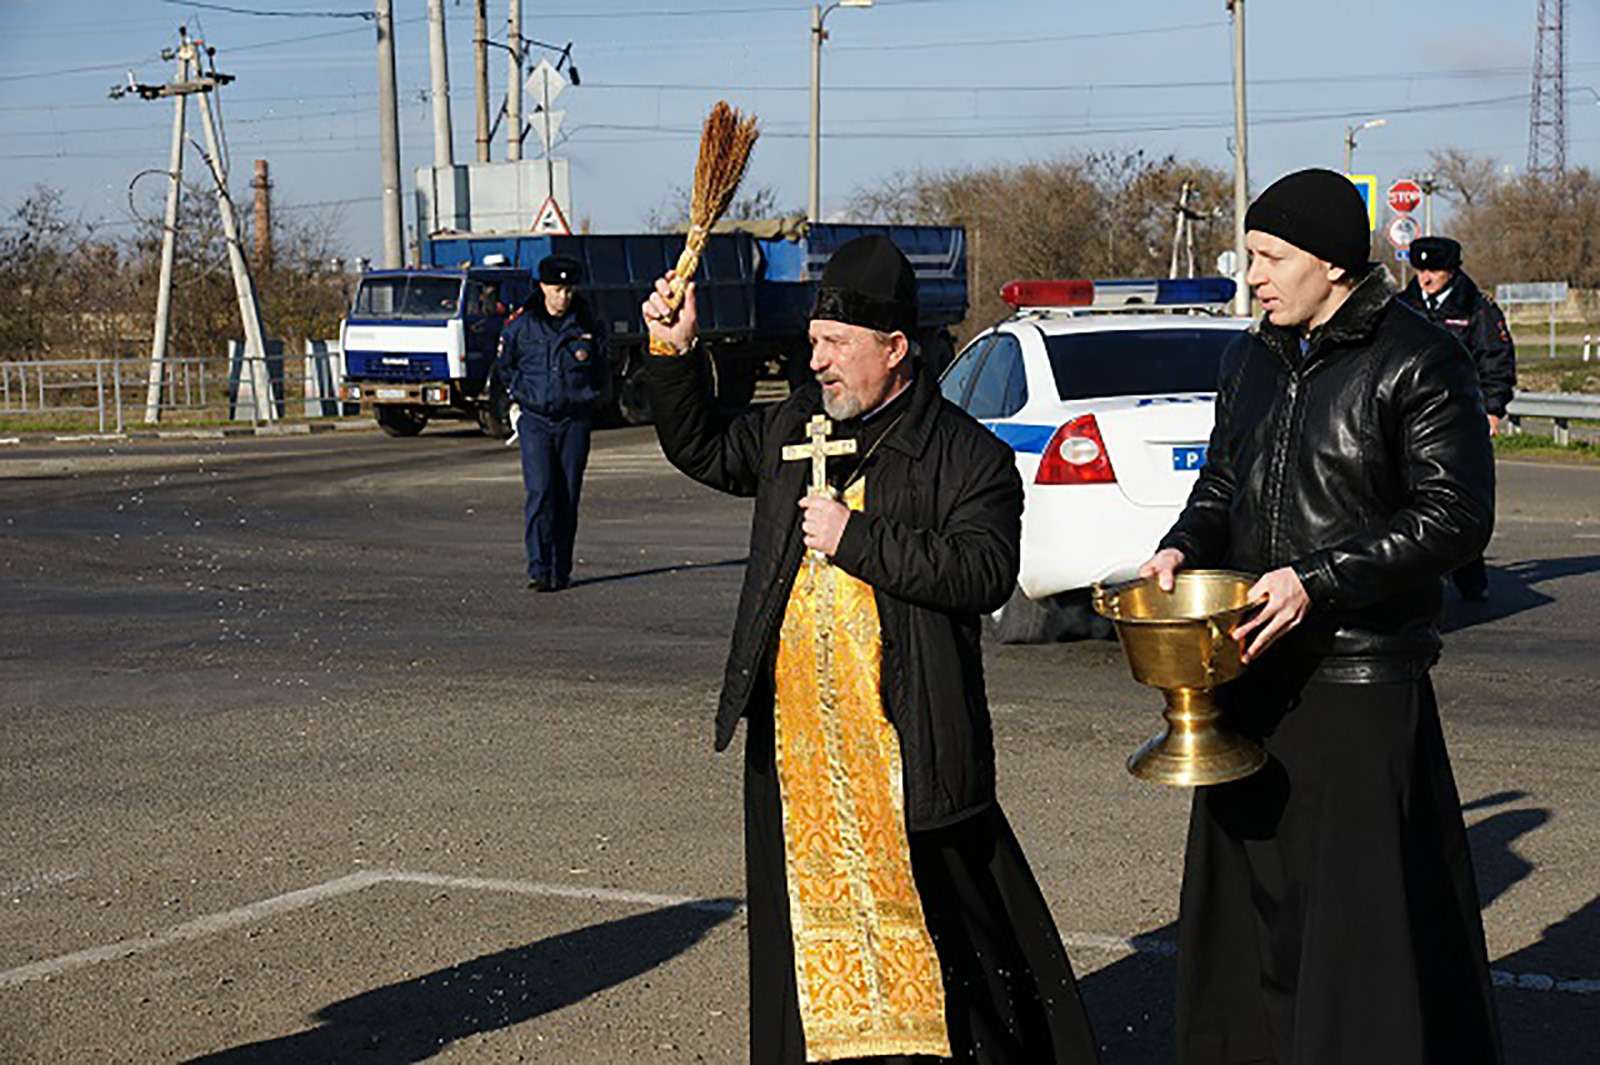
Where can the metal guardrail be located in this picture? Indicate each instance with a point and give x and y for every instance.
(1560, 407)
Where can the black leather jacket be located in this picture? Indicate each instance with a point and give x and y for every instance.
(1364, 464)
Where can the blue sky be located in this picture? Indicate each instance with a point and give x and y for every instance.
(908, 84)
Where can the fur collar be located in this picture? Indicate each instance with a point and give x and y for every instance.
(1354, 322)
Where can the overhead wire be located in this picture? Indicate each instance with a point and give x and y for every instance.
(231, 10)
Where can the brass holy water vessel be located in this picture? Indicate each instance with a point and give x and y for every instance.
(1180, 642)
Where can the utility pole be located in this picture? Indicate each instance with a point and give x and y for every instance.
(1428, 183)
(1241, 168)
(255, 346)
(194, 80)
(1182, 213)
(514, 81)
(549, 138)
(394, 248)
(480, 73)
(439, 67)
(262, 185)
(814, 177)
(169, 240)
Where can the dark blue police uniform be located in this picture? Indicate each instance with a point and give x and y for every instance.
(556, 371)
(1472, 318)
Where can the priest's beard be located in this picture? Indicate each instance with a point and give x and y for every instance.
(843, 407)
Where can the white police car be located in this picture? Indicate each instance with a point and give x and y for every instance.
(1104, 389)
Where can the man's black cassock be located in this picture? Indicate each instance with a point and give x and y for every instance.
(938, 543)
(1329, 913)
(1329, 908)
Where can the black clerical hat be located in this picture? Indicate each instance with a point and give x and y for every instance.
(560, 270)
(1435, 253)
(869, 282)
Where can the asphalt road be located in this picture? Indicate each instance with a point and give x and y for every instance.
(293, 769)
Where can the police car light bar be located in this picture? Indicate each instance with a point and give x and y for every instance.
(1048, 293)
(1120, 292)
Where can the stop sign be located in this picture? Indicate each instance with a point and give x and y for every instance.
(1404, 196)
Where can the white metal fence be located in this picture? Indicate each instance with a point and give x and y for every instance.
(112, 392)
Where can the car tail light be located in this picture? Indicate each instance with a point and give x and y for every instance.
(1076, 454)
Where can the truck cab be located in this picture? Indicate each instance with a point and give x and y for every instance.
(420, 343)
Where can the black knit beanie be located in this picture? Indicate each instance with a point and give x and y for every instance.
(1317, 211)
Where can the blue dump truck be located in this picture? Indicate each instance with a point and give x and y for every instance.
(419, 343)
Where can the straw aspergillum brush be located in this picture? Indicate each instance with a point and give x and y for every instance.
(725, 145)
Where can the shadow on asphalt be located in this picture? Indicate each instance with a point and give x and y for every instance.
(686, 567)
(413, 1021)
(1131, 1001)
(1512, 590)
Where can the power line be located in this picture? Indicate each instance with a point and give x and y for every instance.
(1155, 121)
(77, 70)
(367, 15)
(1041, 39)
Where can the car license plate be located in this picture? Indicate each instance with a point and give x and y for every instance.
(391, 393)
(1188, 458)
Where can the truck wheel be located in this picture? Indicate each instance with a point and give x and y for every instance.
(400, 421)
(633, 399)
(494, 413)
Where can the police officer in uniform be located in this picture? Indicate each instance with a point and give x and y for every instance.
(553, 362)
(1448, 297)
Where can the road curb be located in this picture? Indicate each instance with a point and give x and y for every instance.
(230, 432)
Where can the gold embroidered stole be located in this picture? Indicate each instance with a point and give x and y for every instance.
(867, 975)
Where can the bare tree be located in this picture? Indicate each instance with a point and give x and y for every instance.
(1084, 215)
(672, 213)
(1464, 178)
(68, 290)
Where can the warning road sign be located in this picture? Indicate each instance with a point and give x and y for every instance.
(550, 219)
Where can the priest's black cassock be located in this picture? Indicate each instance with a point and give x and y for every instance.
(932, 543)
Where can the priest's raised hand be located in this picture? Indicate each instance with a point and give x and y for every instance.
(672, 330)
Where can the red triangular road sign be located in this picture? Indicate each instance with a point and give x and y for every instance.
(550, 219)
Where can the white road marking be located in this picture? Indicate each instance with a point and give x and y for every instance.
(632, 461)
(217, 923)
(199, 928)
(35, 883)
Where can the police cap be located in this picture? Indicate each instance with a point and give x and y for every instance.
(1435, 253)
(560, 270)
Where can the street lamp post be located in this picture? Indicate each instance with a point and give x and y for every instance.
(1350, 139)
(819, 15)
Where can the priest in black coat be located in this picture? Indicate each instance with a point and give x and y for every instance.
(893, 917)
(1329, 913)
